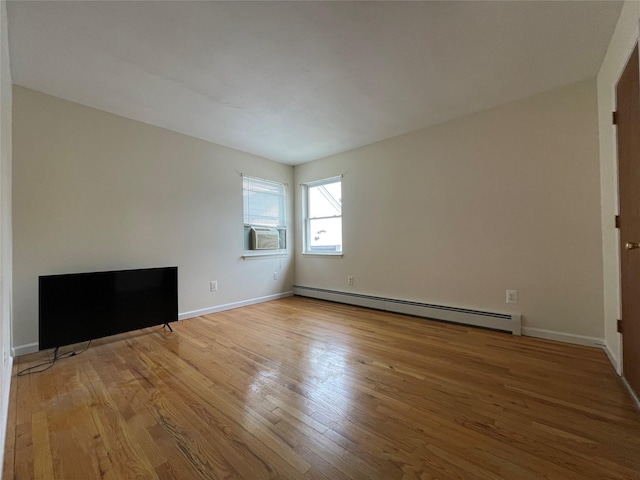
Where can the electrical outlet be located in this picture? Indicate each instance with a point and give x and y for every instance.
(349, 279)
(275, 275)
(512, 296)
(213, 285)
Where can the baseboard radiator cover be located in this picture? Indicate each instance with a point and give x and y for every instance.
(498, 321)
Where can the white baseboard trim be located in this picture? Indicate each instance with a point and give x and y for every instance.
(231, 306)
(563, 337)
(24, 349)
(33, 347)
(451, 314)
(497, 321)
(614, 359)
(4, 407)
(632, 393)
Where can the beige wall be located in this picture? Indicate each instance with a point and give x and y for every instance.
(454, 214)
(621, 46)
(5, 225)
(95, 191)
(457, 213)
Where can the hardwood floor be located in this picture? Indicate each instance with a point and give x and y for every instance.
(305, 389)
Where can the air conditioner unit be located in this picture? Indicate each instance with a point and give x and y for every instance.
(265, 238)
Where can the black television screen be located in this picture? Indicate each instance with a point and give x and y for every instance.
(78, 307)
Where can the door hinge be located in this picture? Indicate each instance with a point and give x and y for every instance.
(617, 221)
(619, 326)
(614, 117)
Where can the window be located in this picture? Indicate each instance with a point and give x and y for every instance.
(323, 216)
(264, 214)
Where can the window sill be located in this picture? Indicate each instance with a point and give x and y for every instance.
(329, 254)
(252, 255)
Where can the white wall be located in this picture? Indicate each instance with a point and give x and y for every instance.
(457, 213)
(95, 191)
(5, 227)
(622, 43)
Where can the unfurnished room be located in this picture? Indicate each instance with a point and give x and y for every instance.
(344, 240)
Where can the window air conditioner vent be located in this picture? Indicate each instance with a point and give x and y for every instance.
(265, 238)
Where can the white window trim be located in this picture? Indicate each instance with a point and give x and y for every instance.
(255, 254)
(248, 254)
(306, 219)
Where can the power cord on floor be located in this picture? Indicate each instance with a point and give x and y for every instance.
(48, 365)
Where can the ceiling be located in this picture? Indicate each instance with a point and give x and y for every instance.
(298, 81)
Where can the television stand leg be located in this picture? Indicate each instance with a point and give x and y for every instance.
(168, 326)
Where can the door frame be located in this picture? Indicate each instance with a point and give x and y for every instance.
(618, 363)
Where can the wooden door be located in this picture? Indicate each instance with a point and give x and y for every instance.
(628, 123)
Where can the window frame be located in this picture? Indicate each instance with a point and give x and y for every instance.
(282, 219)
(306, 248)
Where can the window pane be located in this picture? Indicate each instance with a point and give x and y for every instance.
(325, 235)
(263, 202)
(325, 200)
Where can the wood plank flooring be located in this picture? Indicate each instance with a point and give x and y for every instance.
(305, 389)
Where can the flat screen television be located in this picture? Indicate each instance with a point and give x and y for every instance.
(77, 307)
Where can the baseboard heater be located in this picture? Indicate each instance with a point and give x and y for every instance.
(497, 321)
